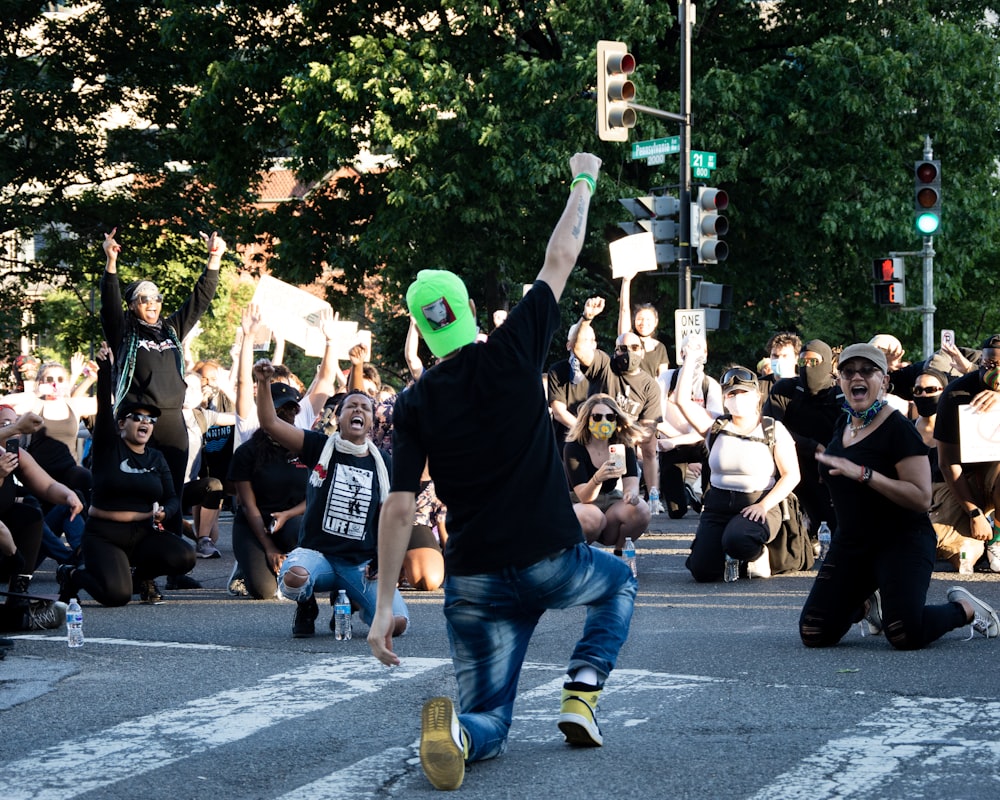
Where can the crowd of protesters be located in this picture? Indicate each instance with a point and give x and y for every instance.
(122, 487)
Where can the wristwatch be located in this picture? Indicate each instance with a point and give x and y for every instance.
(976, 512)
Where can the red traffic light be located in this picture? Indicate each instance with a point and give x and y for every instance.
(927, 171)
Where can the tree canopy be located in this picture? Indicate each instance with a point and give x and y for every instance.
(438, 135)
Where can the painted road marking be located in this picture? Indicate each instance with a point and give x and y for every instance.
(77, 766)
(906, 729)
(130, 642)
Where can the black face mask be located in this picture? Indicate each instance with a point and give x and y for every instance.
(626, 363)
(816, 379)
(926, 405)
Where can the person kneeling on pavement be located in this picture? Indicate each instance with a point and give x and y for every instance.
(348, 482)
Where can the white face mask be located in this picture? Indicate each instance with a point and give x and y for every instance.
(742, 404)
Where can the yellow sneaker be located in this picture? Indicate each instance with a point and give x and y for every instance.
(443, 747)
(577, 717)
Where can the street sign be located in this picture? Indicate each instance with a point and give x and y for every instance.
(656, 147)
(702, 159)
(687, 321)
(655, 151)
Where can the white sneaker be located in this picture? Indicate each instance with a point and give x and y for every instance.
(993, 556)
(985, 620)
(761, 568)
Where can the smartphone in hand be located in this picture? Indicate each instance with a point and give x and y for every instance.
(947, 338)
(616, 452)
(13, 446)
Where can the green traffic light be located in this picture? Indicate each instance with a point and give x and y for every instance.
(928, 223)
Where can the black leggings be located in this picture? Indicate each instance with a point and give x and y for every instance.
(111, 549)
(899, 565)
(261, 582)
(723, 531)
(25, 523)
(170, 438)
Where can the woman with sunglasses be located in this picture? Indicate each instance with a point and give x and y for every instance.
(608, 514)
(149, 360)
(882, 555)
(133, 494)
(753, 469)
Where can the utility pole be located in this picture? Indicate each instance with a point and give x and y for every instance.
(927, 255)
(686, 19)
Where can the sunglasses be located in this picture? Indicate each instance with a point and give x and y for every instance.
(147, 299)
(809, 362)
(608, 417)
(137, 417)
(919, 390)
(621, 348)
(738, 375)
(53, 379)
(865, 372)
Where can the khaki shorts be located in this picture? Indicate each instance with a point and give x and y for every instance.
(952, 524)
(603, 501)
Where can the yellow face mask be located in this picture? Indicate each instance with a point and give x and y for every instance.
(603, 430)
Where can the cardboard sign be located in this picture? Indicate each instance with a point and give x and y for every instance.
(978, 435)
(293, 313)
(632, 254)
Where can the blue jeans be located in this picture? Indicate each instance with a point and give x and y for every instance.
(57, 521)
(332, 574)
(491, 618)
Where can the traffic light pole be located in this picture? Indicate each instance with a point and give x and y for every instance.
(927, 254)
(685, 14)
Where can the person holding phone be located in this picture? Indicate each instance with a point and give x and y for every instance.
(605, 492)
(21, 474)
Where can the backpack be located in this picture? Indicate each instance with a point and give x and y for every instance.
(791, 549)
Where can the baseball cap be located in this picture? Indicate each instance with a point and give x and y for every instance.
(991, 342)
(282, 394)
(439, 304)
(128, 406)
(867, 351)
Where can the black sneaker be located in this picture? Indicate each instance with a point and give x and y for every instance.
(149, 593)
(64, 577)
(45, 615)
(305, 618)
(175, 582)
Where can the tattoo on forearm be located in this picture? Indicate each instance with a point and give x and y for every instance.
(580, 223)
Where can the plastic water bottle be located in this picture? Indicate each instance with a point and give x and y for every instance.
(965, 565)
(824, 540)
(732, 572)
(74, 624)
(628, 556)
(342, 617)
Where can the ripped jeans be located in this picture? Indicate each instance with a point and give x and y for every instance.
(331, 574)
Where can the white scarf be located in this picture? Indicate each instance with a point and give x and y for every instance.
(318, 474)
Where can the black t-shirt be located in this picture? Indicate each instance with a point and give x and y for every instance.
(957, 393)
(562, 388)
(638, 395)
(652, 359)
(810, 418)
(278, 484)
(481, 419)
(123, 479)
(580, 469)
(341, 519)
(865, 516)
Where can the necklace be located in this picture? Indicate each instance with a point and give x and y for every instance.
(855, 429)
(867, 416)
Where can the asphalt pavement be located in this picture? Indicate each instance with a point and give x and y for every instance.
(714, 696)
